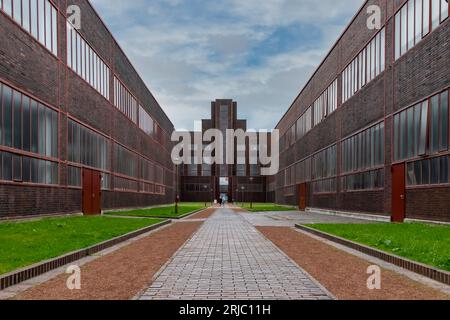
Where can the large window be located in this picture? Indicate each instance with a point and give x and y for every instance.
(415, 20)
(303, 171)
(326, 104)
(126, 162)
(428, 172)
(369, 63)
(363, 160)
(87, 147)
(364, 151)
(125, 101)
(304, 123)
(146, 122)
(86, 63)
(325, 170)
(34, 15)
(422, 129)
(25, 169)
(26, 124)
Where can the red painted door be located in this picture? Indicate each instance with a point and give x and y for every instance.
(91, 192)
(303, 194)
(398, 193)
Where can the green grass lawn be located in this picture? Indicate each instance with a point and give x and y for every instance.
(164, 211)
(264, 207)
(25, 243)
(425, 243)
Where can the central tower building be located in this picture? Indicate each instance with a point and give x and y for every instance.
(240, 182)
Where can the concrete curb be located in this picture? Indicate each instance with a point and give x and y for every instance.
(27, 273)
(416, 267)
(158, 217)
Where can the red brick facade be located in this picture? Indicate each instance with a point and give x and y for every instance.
(30, 68)
(420, 73)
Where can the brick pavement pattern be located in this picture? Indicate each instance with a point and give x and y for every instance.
(229, 259)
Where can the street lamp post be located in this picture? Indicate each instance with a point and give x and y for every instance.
(205, 187)
(251, 195)
(177, 198)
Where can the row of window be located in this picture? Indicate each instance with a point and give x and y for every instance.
(370, 180)
(325, 186)
(19, 168)
(88, 147)
(324, 163)
(304, 123)
(151, 172)
(364, 150)
(146, 122)
(369, 63)
(428, 172)
(125, 101)
(422, 129)
(326, 104)
(86, 63)
(38, 17)
(414, 21)
(26, 124)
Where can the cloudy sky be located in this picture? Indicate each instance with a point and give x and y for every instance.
(257, 52)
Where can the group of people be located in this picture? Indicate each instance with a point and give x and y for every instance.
(223, 199)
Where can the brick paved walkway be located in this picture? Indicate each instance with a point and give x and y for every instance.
(229, 259)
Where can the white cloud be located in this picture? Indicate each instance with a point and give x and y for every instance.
(191, 52)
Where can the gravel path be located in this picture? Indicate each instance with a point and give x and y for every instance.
(345, 274)
(122, 274)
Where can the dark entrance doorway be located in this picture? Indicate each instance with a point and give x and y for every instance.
(398, 193)
(303, 194)
(92, 195)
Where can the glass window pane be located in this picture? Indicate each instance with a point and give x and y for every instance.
(26, 165)
(34, 127)
(403, 149)
(42, 129)
(434, 130)
(444, 10)
(69, 44)
(410, 133)
(17, 11)
(404, 28)
(444, 178)
(7, 166)
(383, 50)
(418, 30)
(7, 7)
(7, 115)
(26, 14)
(426, 172)
(411, 20)
(435, 163)
(398, 33)
(34, 18)
(444, 122)
(48, 25)
(34, 170)
(17, 168)
(423, 129)
(26, 123)
(17, 120)
(54, 31)
(435, 14)
(426, 17)
(418, 172)
(41, 18)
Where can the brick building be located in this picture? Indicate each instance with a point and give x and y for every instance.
(240, 182)
(369, 132)
(79, 130)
